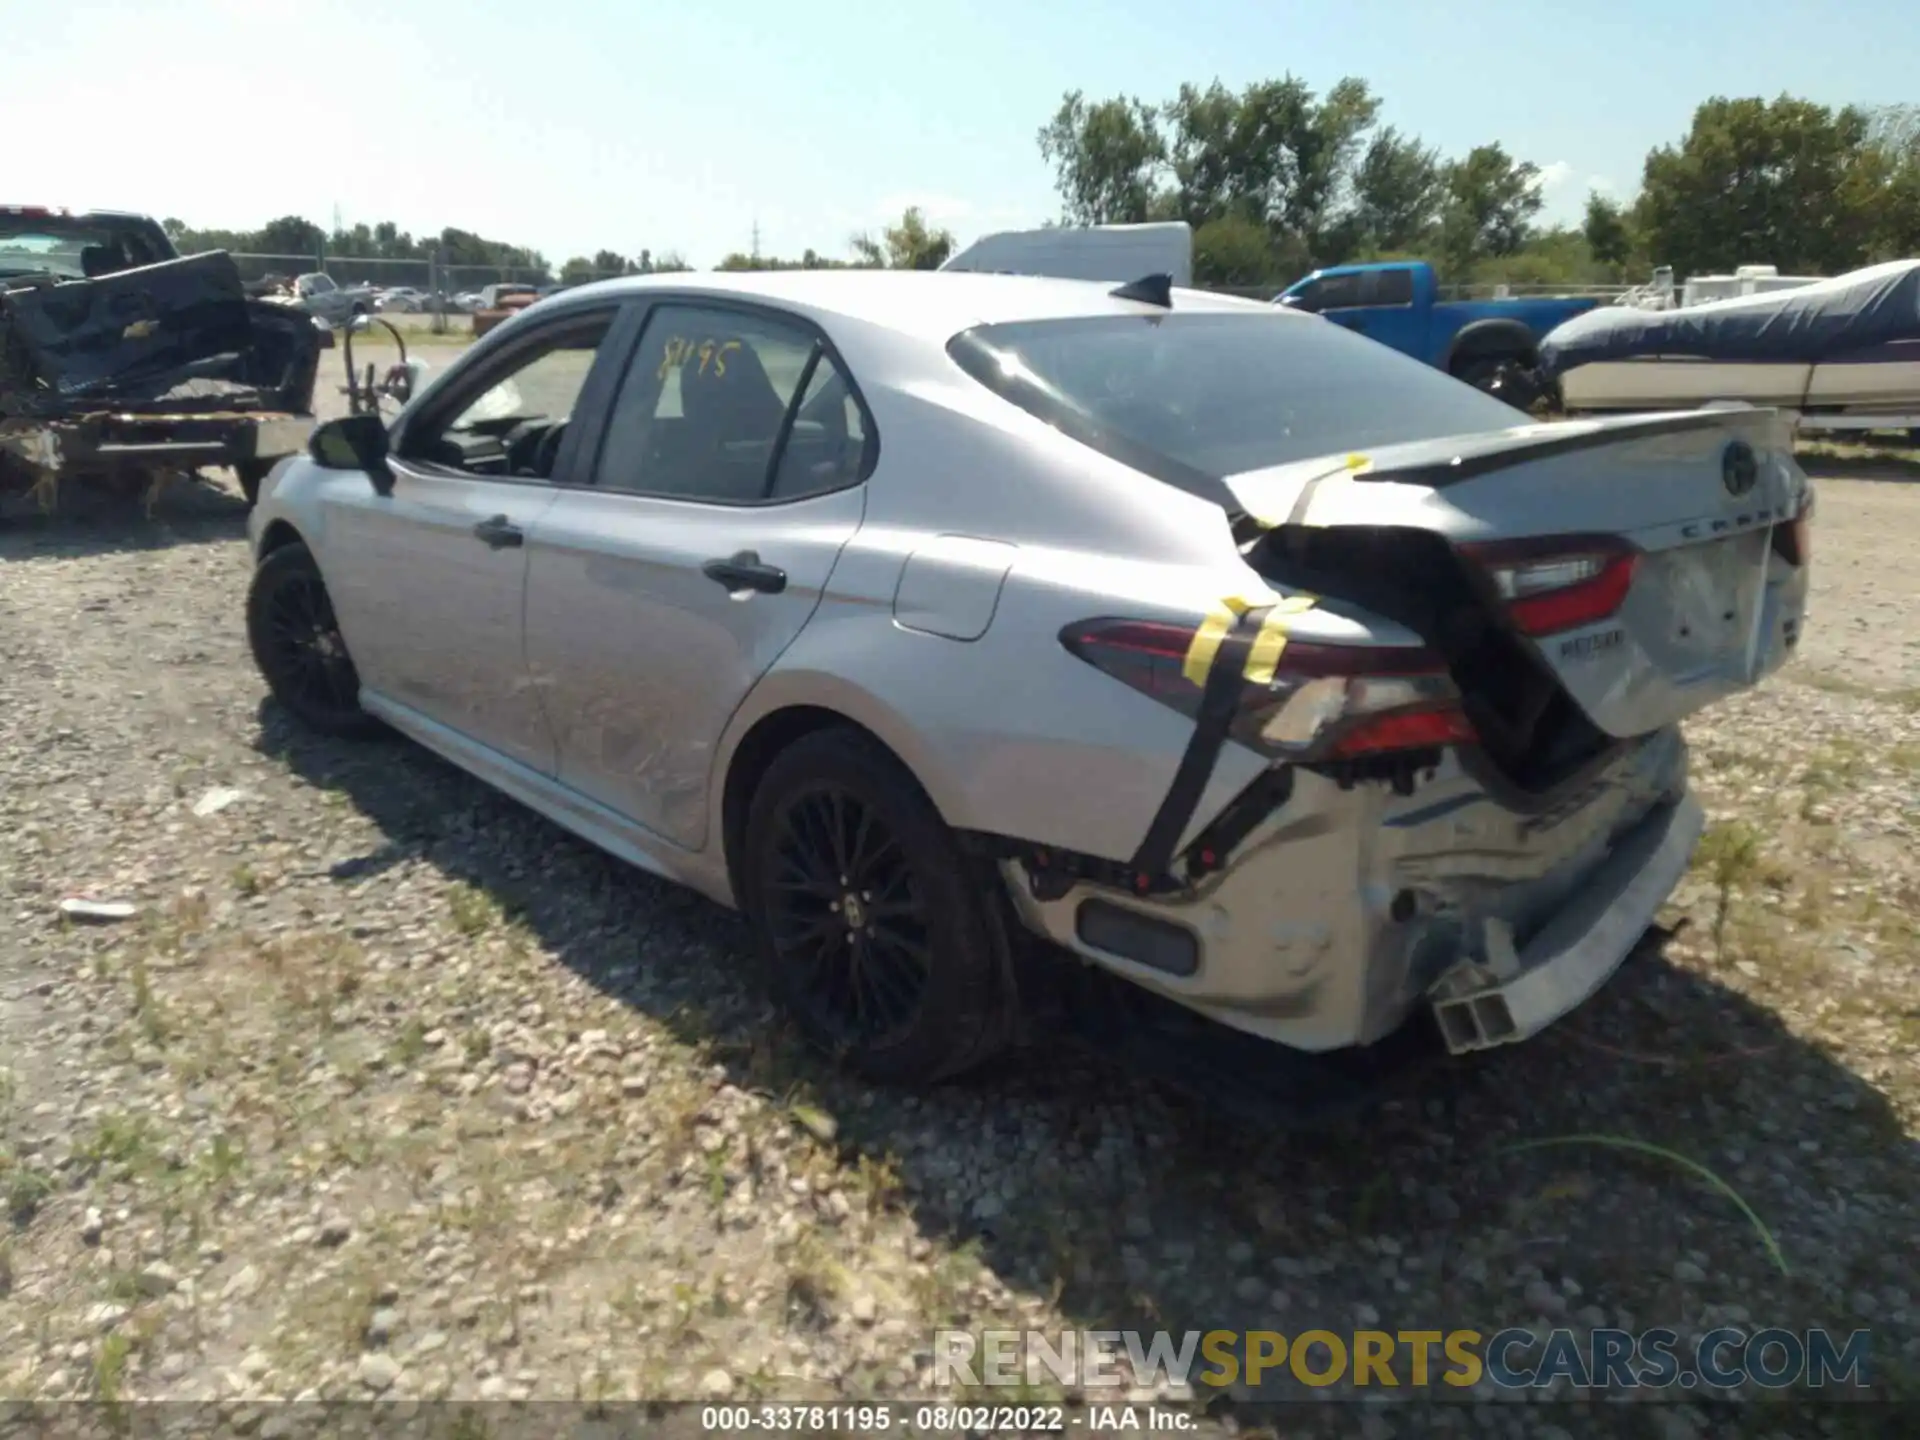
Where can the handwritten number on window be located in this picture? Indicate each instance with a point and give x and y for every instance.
(679, 350)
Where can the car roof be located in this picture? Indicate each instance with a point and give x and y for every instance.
(68, 213)
(930, 304)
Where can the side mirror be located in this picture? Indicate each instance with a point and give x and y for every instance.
(354, 442)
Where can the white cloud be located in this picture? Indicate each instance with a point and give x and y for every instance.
(1602, 184)
(1555, 174)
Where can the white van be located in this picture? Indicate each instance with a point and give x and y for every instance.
(1118, 253)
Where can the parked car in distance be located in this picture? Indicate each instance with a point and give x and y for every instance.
(402, 300)
(319, 295)
(494, 297)
(1398, 304)
(888, 607)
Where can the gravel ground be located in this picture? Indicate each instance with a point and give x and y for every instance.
(391, 1088)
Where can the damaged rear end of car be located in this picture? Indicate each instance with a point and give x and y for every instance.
(152, 371)
(1464, 651)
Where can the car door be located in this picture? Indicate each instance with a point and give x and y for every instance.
(429, 582)
(726, 485)
(1390, 315)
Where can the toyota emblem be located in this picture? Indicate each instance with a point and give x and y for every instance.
(1739, 468)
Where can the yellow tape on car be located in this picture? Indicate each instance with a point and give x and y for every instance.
(1354, 464)
(1206, 640)
(1268, 645)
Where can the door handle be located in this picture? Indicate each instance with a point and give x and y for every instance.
(745, 572)
(499, 533)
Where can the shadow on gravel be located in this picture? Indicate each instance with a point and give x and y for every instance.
(89, 521)
(1883, 466)
(1137, 1209)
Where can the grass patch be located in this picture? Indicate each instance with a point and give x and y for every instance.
(473, 911)
(1660, 1152)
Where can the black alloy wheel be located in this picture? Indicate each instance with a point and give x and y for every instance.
(846, 916)
(298, 647)
(882, 938)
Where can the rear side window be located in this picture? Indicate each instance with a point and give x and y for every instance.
(732, 408)
(1193, 398)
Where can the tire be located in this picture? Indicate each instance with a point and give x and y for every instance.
(1480, 372)
(298, 648)
(936, 937)
(250, 473)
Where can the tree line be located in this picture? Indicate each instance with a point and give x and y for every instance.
(1276, 180)
(910, 243)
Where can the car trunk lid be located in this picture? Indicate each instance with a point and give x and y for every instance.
(1586, 581)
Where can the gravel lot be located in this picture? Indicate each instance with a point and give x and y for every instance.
(391, 1088)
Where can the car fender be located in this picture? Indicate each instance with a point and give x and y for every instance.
(790, 686)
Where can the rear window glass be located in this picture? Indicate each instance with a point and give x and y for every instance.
(1188, 397)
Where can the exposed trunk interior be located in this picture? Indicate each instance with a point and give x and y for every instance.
(1530, 728)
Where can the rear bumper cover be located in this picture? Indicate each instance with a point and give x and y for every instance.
(1344, 910)
(1512, 996)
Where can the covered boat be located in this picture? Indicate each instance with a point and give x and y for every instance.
(1848, 347)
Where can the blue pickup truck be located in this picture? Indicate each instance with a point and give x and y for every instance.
(1488, 343)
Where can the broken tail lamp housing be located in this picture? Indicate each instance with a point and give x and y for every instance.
(1793, 541)
(1560, 582)
(1324, 702)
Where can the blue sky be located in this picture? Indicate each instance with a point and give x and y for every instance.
(569, 125)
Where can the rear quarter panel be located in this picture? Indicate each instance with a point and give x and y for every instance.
(1008, 732)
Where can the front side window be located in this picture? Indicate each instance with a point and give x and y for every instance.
(1218, 394)
(513, 420)
(708, 411)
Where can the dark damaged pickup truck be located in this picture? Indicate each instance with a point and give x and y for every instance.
(122, 362)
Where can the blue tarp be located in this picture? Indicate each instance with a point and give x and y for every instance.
(1849, 316)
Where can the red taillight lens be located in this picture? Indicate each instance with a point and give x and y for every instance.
(1324, 702)
(1407, 730)
(1560, 583)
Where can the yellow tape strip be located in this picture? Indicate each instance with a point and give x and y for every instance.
(1206, 640)
(1264, 655)
(1354, 464)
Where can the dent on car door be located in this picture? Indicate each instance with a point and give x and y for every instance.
(726, 485)
(430, 581)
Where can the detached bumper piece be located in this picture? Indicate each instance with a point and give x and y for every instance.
(1511, 996)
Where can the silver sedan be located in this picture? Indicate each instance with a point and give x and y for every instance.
(957, 628)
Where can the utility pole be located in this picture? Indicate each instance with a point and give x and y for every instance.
(756, 239)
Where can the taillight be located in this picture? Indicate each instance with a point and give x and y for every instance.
(1559, 583)
(1793, 541)
(1323, 702)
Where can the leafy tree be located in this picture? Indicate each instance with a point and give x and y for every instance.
(1489, 205)
(909, 245)
(1107, 158)
(1606, 231)
(1398, 192)
(1232, 250)
(1787, 182)
(1893, 133)
(291, 235)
